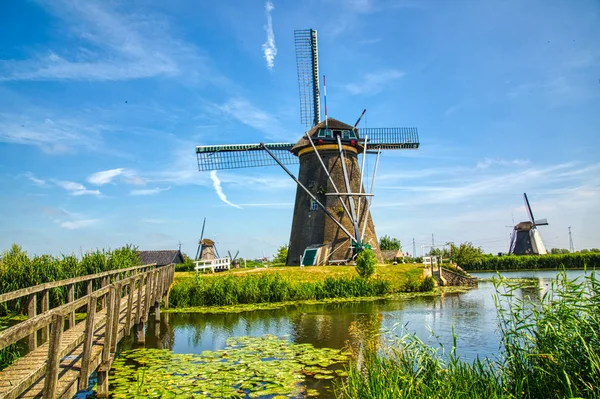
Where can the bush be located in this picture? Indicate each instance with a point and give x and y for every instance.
(427, 285)
(365, 263)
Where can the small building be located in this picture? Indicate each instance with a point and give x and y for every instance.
(161, 257)
(392, 255)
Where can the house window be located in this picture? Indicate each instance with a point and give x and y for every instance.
(313, 205)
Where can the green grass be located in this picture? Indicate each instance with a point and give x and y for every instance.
(551, 350)
(397, 275)
(534, 262)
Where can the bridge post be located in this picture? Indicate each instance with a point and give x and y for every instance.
(87, 344)
(31, 312)
(130, 293)
(71, 298)
(138, 310)
(116, 315)
(45, 308)
(109, 336)
(53, 357)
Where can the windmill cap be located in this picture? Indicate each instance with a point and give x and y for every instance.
(332, 124)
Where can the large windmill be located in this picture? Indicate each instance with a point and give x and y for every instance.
(525, 239)
(331, 220)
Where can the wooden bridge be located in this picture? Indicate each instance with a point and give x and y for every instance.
(62, 354)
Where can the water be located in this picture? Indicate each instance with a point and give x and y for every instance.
(471, 315)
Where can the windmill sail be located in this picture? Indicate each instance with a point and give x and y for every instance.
(307, 62)
(235, 156)
(391, 138)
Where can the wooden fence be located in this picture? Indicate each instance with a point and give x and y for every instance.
(62, 353)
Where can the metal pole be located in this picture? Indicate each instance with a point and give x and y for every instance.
(368, 204)
(349, 190)
(362, 170)
(328, 175)
(307, 192)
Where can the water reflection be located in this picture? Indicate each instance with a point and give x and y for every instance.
(471, 315)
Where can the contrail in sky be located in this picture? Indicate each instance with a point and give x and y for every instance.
(219, 190)
(269, 48)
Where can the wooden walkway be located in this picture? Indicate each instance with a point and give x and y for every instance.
(67, 353)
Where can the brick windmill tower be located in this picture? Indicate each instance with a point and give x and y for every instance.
(331, 221)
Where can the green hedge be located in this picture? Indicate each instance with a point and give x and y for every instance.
(513, 262)
(266, 288)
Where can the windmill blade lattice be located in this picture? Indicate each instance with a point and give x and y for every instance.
(390, 138)
(236, 156)
(307, 62)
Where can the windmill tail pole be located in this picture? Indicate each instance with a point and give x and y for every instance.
(311, 195)
(359, 118)
(328, 175)
(368, 203)
(349, 190)
(362, 169)
(325, 100)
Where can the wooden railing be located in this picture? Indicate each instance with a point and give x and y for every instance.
(124, 299)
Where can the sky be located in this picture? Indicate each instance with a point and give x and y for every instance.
(102, 104)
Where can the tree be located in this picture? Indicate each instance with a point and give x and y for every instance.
(281, 256)
(388, 243)
(465, 254)
(556, 251)
(365, 263)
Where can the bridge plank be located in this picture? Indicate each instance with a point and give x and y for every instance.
(27, 374)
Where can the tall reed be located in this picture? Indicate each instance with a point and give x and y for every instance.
(550, 350)
(266, 288)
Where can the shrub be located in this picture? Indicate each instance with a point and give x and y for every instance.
(427, 285)
(365, 263)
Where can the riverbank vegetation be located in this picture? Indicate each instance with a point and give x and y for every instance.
(550, 350)
(270, 285)
(575, 260)
(19, 270)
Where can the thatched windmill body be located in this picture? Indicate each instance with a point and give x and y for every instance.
(331, 217)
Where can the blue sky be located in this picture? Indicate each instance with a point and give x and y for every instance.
(103, 102)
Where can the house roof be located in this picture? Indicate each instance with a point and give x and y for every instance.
(332, 124)
(160, 257)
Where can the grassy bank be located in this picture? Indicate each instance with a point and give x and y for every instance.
(556, 262)
(550, 350)
(284, 284)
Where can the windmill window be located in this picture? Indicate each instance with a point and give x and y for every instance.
(313, 205)
(352, 134)
(345, 134)
(321, 133)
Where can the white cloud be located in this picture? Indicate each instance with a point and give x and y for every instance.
(113, 45)
(149, 191)
(375, 82)
(105, 176)
(72, 225)
(75, 188)
(53, 136)
(35, 180)
(269, 48)
(247, 113)
(219, 190)
(487, 162)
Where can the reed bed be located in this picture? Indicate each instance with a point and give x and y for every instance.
(549, 350)
(19, 270)
(550, 261)
(268, 288)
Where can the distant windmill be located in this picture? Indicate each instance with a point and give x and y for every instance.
(525, 239)
(207, 249)
(235, 262)
(331, 212)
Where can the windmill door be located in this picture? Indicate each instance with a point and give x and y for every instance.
(310, 255)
